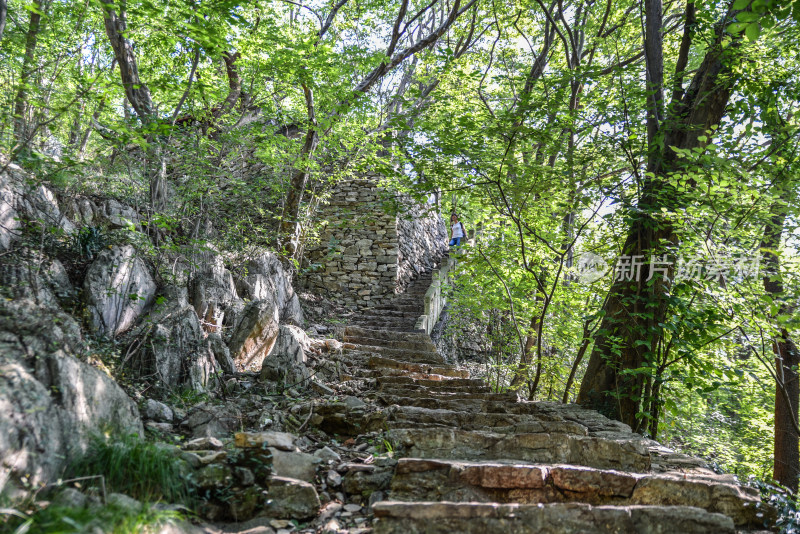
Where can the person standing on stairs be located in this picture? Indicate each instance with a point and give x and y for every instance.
(457, 231)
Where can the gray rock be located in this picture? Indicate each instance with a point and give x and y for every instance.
(118, 215)
(118, 288)
(203, 444)
(213, 421)
(292, 499)
(213, 295)
(221, 353)
(326, 454)
(255, 334)
(51, 402)
(10, 198)
(333, 479)
(267, 279)
(157, 411)
(172, 347)
(120, 500)
(286, 362)
(159, 427)
(297, 465)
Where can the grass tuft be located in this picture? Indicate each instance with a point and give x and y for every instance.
(130, 465)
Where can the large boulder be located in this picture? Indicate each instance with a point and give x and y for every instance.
(118, 289)
(286, 363)
(255, 333)
(20, 202)
(50, 401)
(212, 292)
(171, 346)
(264, 277)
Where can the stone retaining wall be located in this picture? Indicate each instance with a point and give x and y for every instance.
(374, 244)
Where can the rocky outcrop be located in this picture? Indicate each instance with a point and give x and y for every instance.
(264, 277)
(212, 292)
(118, 289)
(50, 401)
(254, 334)
(21, 203)
(286, 362)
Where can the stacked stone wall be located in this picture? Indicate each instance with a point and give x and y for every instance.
(355, 263)
(373, 245)
(422, 236)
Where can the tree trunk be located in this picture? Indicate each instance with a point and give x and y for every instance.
(138, 95)
(3, 14)
(787, 358)
(21, 100)
(630, 331)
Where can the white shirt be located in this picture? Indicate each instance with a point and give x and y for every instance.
(457, 230)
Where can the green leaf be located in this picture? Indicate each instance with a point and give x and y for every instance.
(740, 4)
(753, 31)
(736, 27)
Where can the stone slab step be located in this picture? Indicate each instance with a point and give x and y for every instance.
(481, 518)
(378, 333)
(443, 369)
(541, 447)
(525, 483)
(503, 423)
(443, 392)
(411, 344)
(381, 360)
(410, 356)
(466, 382)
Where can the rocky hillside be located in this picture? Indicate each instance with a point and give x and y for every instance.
(263, 417)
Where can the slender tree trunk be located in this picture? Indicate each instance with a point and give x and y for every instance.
(21, 100)
(290, 218)
(3, 14)
(138, 94)
(787, 357)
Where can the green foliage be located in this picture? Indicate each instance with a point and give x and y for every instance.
(54, 519)
(145, 471)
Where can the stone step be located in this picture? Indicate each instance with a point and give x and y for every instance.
(502, 423)
(410, 356)
(469, 382)
(360, 332)
(414, 343)
(525, 483)
(560, 518)
(443, 392)
(443, 369)
(383, 315)
(541, 447)
(400, 307)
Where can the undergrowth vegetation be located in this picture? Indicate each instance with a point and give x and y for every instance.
(142, 470)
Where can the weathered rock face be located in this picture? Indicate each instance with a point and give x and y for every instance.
(19, 200)
(51, 402)
(254, 334)
(118, 289)
(212, 292)
(286, 361)
(264, 277)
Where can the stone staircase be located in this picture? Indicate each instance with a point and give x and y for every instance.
(471, 460)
